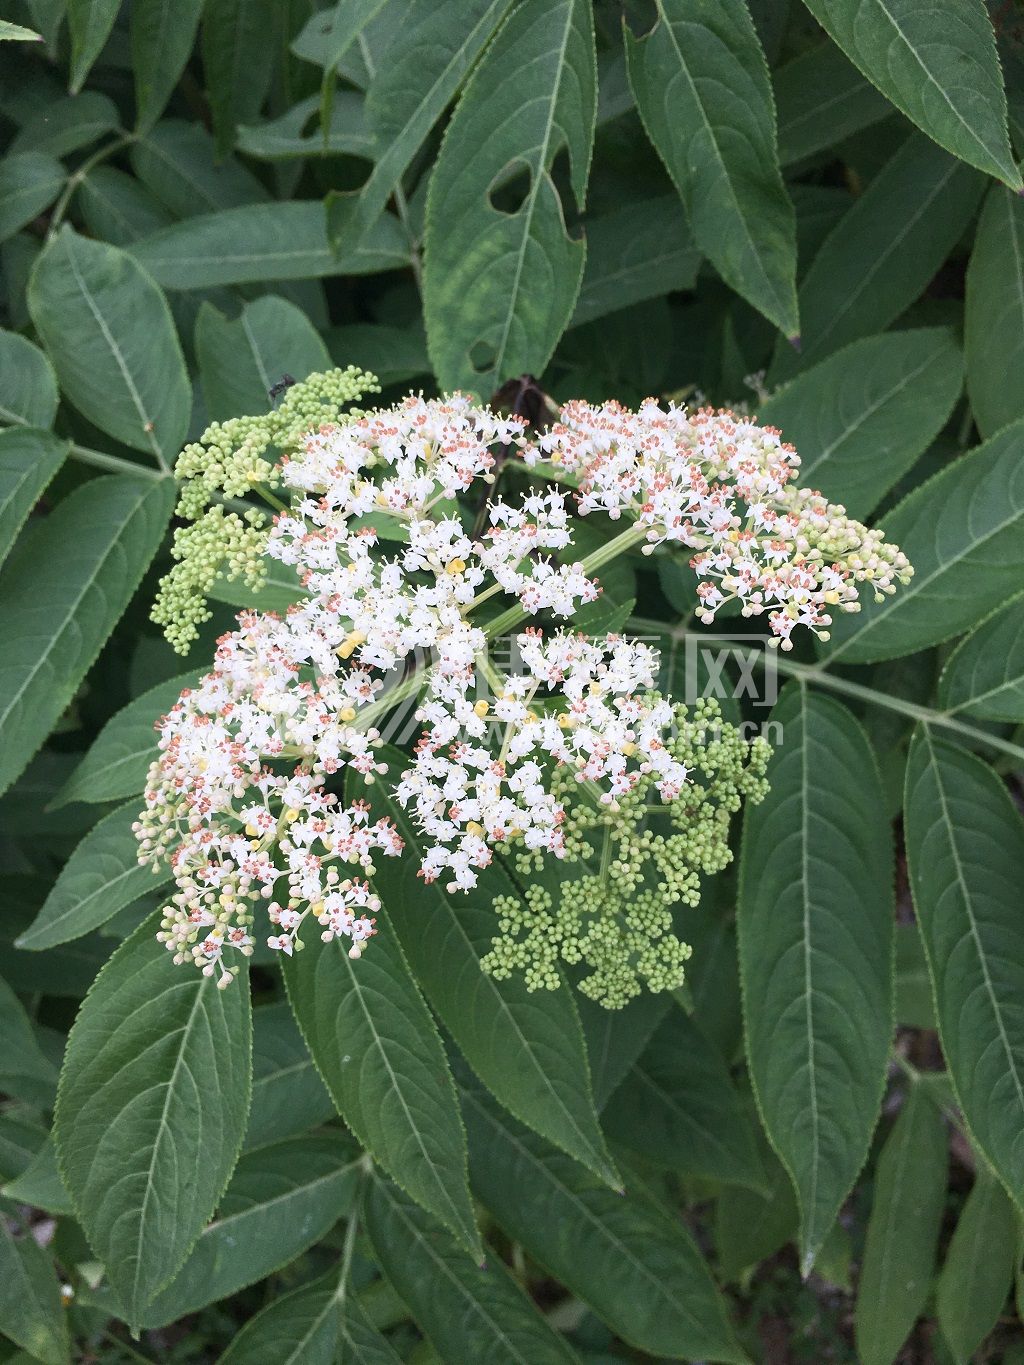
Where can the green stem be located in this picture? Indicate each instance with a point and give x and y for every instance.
(115, 464)
(817, 675)
(79, 176)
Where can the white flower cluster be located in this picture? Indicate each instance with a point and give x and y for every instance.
(724, 486)
(240, 800)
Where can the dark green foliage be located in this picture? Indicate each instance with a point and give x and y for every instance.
(806, 210)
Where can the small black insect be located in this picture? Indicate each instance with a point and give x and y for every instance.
(282, 386)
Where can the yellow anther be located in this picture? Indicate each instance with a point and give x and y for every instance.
(349, 713)
(481, 709)
(832, 597)
(317, 907)
(351, 643)
(252, 831)
(291, 815)
(567, 722)
(456, 566)
(473, 827)
(629, 749)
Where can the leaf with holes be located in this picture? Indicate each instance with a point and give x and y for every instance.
(435, 48)
(936, 60)
(108, 331)
(501, 280)
(702, 87)
(815, 918)
(66, 585)
(151, 1110)
(965, 848)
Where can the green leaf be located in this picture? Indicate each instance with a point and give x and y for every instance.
(616, 1038)
(297, 132)
(501, 282)
(636, 252)
(381, 1058)
(117, 208)
(883, 252)
(31, 1312)
(101, 877)
(678, 1108)
(66, 585)
(327, 35)
(280, 588)
(281, 1201)
(526, 1047)
(701, 85)
(239, 55)
(29, 183)
(116, 764)
(424, 65)
(151, 1111)
(40, 1185)
(163, 33)
(28, 461)
(962, 533)
(28, 386)
(751, 1225)
(635, 1266)
(965, 845)
(978, 1269)
(815, 920)
(259, 242)
(994, 312)
(109, 332)
(915, 1007)
(17, 33)
(177, 163)
(861, 418)
(822, 100)
(936, 61)
(26, 1073)
(66, 125)
(393, 354)
(903, 1230)
(90, 22)
(241, 359)
(467, 1312)
(288, 1096)
(307, 1327)
(984, 676)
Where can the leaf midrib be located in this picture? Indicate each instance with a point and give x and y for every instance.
(965, 895)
